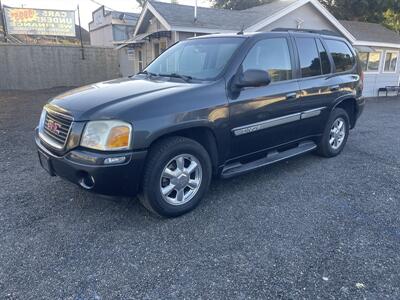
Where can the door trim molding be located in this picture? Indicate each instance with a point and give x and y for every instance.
(250, 128)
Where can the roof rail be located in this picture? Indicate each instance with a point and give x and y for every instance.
(323, 32)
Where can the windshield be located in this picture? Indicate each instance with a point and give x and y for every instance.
(202, 59)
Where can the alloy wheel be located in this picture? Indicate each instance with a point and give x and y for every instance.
(337, 134)
(181, 179)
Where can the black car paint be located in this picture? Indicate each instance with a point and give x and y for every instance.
(158, 106)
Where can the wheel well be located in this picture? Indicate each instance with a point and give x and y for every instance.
(350, 106)
(204, 136)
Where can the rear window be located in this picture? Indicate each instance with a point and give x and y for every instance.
(342, 55)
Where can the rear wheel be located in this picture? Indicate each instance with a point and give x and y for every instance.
(335, 135)
(176, 177)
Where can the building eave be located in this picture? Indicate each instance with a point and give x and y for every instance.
(150, 8)
(377, 44)
(258, 26)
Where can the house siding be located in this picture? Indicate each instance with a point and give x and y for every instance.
(381, 79)
(311, 17)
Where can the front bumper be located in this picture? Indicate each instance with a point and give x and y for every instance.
(87, 169)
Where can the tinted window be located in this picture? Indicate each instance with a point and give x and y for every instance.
(325, 64)
(199, 58)
(310, 63)
(341, 54)
(271, 55)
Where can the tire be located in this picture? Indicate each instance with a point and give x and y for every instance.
(169, 167)
(326, 147)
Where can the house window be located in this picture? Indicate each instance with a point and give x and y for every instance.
(391, 59)
(163, 46)
(159, 48)
(156, 50)
(140, 60)
(370, 61)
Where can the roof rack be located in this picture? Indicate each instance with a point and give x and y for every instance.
(323, 32)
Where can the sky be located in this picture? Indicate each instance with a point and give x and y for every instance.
(87, 6)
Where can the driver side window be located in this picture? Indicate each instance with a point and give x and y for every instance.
(271, 55)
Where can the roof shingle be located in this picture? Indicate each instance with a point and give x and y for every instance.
(371, 32)
(213, 18)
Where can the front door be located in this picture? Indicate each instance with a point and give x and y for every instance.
(264, 117)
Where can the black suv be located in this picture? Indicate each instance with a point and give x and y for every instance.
(214, 105)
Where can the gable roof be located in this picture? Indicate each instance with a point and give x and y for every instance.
(177, 17)
(371, 32)
(212, 18)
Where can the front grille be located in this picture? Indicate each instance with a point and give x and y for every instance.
(57, 126)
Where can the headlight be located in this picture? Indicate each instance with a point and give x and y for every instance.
(107, 135)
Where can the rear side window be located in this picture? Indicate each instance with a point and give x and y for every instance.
(271, 55)
(310, 63)
(342, 56)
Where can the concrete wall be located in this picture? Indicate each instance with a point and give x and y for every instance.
(127, 64)
(102, 36)
(38, 67)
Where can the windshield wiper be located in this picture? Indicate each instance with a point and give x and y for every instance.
(147, 73)
(175, 75)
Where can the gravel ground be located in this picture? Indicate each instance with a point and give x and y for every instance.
(305, 228)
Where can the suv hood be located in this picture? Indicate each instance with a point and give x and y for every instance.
(88, 100)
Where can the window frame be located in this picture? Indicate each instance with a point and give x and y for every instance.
(330, 58)
(331, 61)
(140, 60)
(397, 61)
(291, 49)
(380, 62)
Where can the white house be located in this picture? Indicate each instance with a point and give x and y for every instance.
(162, 24)
(108, 27)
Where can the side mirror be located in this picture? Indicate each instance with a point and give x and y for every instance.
(253, 78)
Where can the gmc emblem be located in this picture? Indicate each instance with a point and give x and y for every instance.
(53, 127)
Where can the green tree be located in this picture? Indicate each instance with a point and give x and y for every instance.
(391, 19)
(358, 10)
(238, 4)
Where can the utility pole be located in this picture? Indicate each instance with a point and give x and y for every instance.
(80, 34)
(3, 22)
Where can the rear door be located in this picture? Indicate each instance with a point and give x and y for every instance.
(318, 87)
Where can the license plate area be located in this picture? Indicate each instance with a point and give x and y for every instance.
(45, 162)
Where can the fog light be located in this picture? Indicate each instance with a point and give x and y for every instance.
(114, 160)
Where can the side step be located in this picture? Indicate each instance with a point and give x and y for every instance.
(272, 157)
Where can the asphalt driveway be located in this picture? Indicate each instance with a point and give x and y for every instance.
(305, 228)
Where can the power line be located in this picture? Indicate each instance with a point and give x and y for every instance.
(109, 8)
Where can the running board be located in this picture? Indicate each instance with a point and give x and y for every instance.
(272, 157)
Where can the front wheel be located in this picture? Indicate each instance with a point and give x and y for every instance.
(335, 135)
(176, 177)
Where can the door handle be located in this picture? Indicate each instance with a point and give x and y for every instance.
(334, 88)
(291, 96)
